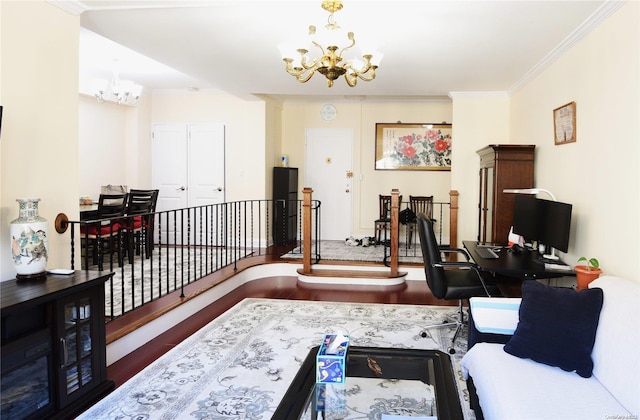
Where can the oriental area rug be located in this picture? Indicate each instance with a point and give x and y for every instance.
(341, 251)
(147, 279)
(240, 365)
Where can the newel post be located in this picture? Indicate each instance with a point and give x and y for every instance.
(306, 229)
(395, 230)
(453, 218)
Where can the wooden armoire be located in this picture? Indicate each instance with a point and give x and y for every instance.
(502, 166)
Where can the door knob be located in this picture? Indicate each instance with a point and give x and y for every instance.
(181, 188)
(219, 189)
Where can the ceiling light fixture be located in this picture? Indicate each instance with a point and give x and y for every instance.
(123, 92)
(331, 63)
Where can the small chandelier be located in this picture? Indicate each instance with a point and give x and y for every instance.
(331, 63)
(123, 92)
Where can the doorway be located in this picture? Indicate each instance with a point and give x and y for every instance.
(328, 171)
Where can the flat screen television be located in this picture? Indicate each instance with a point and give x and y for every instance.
(545, 221)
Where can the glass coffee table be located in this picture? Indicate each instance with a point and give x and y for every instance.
(413, 383)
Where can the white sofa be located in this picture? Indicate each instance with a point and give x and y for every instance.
(513, 388)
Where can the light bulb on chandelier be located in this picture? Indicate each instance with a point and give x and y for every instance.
(331, 63)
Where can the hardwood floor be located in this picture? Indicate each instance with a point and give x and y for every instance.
(281, 287)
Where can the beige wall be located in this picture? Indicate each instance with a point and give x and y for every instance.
(600, 173)
(273, 146)
(102, 145)
(39, 146)
(362, 119)
(479, 120)
(114, 145)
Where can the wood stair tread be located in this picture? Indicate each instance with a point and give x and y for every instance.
(324, 272)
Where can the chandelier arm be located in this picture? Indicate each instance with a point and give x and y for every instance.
(366, 73)
(351, 79)
(366, 76)
(294, 71)
(289, 66)
(319, 46)
(369, 75)
(353, 42)
(301, 74)
(313, 66)
(306, 78)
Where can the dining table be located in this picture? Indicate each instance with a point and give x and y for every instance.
(88, 211)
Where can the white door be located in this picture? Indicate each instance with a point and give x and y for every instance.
(188, 168)
(206, 164)
(328, 172)
(169, 165)
(206, 182)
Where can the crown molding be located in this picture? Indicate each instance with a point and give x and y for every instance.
(454, 95)
(73, 7)
(597, 17)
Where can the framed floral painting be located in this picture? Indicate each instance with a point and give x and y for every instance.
(413, 147)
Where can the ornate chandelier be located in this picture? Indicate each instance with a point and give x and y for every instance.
(123, 92)
(331, 63)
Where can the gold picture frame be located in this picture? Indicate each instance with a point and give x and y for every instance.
(564, 124)
(413, 147)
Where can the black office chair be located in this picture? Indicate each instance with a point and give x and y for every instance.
(451, 279)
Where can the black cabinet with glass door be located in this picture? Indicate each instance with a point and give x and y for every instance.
(53, 345)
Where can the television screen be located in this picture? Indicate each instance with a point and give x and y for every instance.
(545, 221)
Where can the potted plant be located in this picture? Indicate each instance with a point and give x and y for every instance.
(587, 273)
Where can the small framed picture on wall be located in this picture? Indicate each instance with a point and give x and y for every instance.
(564, 123)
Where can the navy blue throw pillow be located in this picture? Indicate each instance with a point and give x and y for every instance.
(557, 326)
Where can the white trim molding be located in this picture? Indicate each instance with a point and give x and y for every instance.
(602, 13)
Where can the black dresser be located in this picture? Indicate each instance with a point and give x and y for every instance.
(53, 345)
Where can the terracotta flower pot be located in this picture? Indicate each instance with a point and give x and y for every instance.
(586, 276)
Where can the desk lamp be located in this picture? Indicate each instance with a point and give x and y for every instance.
(529, 191)
(533, 191)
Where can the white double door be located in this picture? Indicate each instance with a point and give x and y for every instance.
(188, 169)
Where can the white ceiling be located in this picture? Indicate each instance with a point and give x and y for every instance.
(431, 48)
